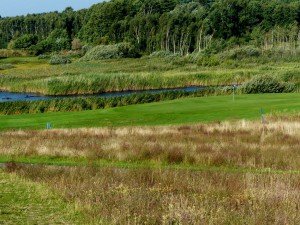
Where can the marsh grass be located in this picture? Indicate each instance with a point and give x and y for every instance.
(154, 196)
(93, 103)
(242, 144)
(33, 75)
(161, 195)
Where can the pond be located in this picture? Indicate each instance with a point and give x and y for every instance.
(11, 96)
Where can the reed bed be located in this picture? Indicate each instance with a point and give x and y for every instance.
(37, 76)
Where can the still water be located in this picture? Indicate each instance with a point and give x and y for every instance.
(9, 96)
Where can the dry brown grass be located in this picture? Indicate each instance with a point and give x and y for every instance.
(243, 144)
(158, 195)
(153, 196)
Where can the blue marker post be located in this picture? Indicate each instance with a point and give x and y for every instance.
(233, 87)
(262, 116)
(48, 126)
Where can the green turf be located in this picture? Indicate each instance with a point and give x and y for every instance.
(181, 111)
(72, 161)
(25, 202)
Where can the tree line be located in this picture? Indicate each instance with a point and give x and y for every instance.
(176, 26)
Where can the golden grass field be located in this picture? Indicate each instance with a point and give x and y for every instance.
(243, 143)
(228, 173)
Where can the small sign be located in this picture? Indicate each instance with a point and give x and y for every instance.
(48, 125)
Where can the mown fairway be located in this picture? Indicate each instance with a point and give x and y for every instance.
(181, 111)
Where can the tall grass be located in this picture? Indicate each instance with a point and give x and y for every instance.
(92, 103)
(35, 75)
(242, 144)
(156, 195)
(153, 196)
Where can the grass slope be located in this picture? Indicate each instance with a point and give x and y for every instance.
(181, 111)
(25, 202)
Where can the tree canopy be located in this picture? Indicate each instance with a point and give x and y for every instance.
(179, 26)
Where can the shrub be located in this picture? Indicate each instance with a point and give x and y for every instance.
(42, 56)
(206, 60)
(59, 39)
(164, 54)
(86, 48)
(74, 54)
(59, 59)
(76, 44)
(240, 53)
(291, 76)
(14, 53)
(263, 84)
(121, 50)
(25, 41)
(43, 46)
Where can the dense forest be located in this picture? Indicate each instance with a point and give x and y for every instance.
(177, 26)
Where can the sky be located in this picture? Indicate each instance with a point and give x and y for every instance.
(24, 7)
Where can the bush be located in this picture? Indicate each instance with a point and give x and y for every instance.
(5, 53)
(74, 54)
(86, 48)
(164, 54)
(43, 47)
(76, 44)
(121, 50)
(240, 53)
(43, 56)
(265, 84)
(206, 60)
(59, 59)
(291, 76)
(25, 42)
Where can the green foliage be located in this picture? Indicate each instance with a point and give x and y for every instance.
(208, 60)
(86, 48)
(44, 46)
(59, 40)
(59, 59)
(5, 53)
(164, 54)
(242, 52)
(178, 26)
(43, 56)
(265, 84)
(25, 42)
(121, 50)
